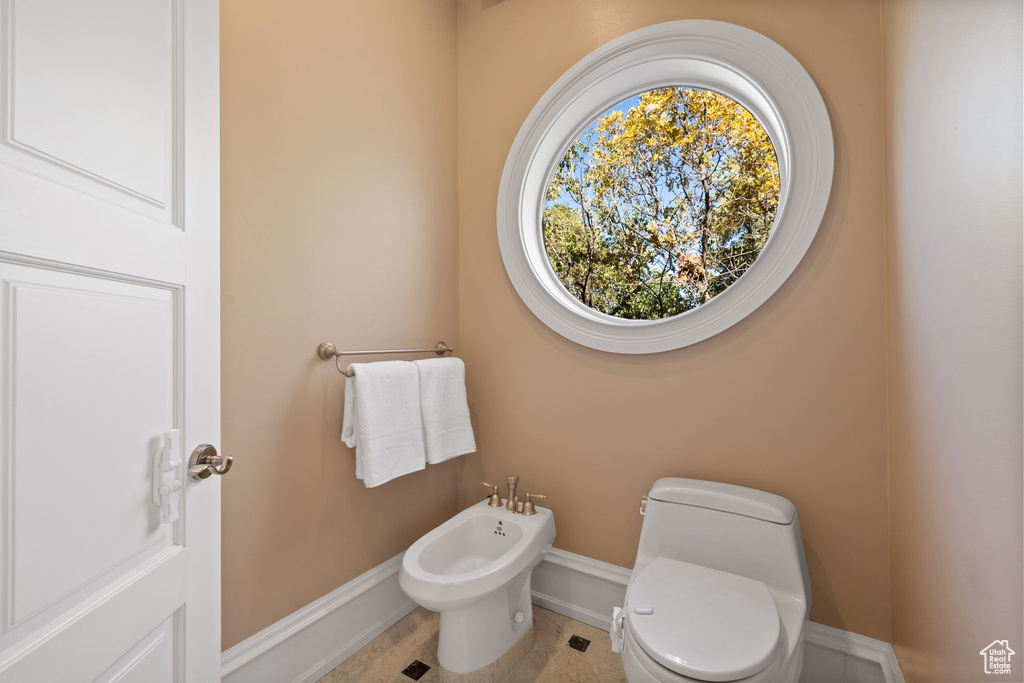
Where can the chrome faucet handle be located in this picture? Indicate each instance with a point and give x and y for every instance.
(493, 500)
(528, 506)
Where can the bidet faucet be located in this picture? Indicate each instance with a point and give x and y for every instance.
(513, 499)
(493, 500)
(529, 509)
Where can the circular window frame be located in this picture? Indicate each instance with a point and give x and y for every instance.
(732, 60)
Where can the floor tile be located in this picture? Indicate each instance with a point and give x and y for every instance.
(552, 660)
(857, 670)
(416, 670)
(821, 665)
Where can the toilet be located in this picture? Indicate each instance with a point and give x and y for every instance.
(719, 591)
(475, 570)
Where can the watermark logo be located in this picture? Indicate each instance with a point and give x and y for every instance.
(997, 657)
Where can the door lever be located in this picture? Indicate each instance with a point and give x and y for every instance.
(205, 462)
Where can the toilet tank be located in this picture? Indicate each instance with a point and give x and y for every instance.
(730, 528)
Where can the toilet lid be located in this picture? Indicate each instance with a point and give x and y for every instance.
(704, 623)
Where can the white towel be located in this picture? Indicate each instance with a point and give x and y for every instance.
(382, 421)
(446, 427)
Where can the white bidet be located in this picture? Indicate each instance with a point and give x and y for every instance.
(475, 570)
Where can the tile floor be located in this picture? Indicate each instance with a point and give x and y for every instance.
(822, 665)
(414, 640)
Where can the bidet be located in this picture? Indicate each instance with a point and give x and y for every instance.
(475, 570)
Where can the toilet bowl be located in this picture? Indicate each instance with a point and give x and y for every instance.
(475, 570)
(719, 591)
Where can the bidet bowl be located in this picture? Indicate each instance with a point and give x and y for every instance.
(474, 553)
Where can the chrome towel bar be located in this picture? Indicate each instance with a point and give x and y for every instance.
(328, 350)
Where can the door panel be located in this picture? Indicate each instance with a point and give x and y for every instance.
(117, 388)
(111, 65)
(83, 643)
(155, 659)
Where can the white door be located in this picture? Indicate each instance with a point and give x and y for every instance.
(109, 340)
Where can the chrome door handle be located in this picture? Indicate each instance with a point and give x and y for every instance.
(205, 462)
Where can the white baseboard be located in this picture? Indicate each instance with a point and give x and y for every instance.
(579, 587)
(304, 646)
(858, 647)
(587, 590)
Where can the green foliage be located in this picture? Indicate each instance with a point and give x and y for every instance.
(656, 209)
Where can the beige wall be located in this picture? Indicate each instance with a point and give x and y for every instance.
(339, 223)
(953, 91)
(363, 144)
(791, 400)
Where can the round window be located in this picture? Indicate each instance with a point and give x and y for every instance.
(665, 186)
(661, 203)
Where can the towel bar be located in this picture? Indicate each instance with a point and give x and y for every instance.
(328, 350)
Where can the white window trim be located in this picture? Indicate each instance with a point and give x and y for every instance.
(735, 61)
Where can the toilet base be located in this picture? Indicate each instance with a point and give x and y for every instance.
(497, 671)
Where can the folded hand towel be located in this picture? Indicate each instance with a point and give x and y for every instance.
(382, 421)
(446, 427)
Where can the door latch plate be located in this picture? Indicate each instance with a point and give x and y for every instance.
(166, 484)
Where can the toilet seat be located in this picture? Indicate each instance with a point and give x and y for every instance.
(706, 624)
